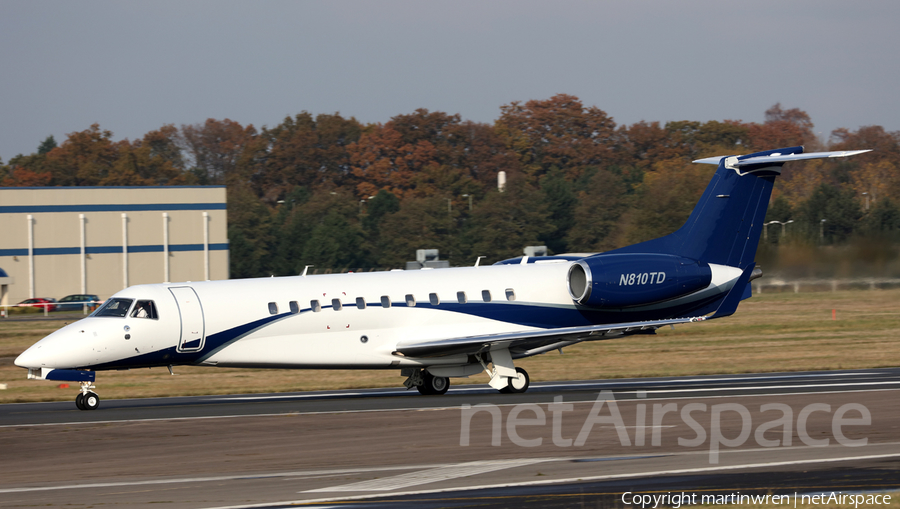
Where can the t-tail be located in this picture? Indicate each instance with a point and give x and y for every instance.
(725, 226)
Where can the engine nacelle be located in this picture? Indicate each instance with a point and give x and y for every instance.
(622, 280)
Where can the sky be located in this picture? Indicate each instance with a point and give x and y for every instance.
(134, 66)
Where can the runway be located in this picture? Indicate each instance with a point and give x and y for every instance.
(559, 444)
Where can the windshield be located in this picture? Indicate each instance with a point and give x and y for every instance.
(114, 307)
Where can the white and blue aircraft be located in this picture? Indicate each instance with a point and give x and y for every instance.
(433, 325)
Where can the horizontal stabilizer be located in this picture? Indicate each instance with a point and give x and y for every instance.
(776, 158)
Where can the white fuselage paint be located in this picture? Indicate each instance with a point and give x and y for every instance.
(329, 338)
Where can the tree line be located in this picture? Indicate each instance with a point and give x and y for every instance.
(329, 191)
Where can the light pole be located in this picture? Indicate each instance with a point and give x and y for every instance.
(783, 232)
(822, 231)
(766, 229)
(364, 203)
(867, 201)
(470, 200)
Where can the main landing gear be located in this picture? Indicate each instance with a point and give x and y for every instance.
(505, 376)
(433, 385)
(517, 384)
(87, 399)
(425, 382)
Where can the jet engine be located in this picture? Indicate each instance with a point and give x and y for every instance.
(622, 280)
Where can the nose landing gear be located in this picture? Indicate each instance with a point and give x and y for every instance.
(87, 399)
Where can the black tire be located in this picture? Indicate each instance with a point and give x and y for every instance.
(91, 401)
(434, 385)
(519, 384)
(79, 401)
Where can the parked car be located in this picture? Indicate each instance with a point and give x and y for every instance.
(77, 301)
(39, 303)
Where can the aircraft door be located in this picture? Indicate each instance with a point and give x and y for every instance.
(192, 324)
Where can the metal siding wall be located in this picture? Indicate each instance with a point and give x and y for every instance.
(104, 275)
(52, 229)
(144, 268)
(187, 266)
(58, 275)
(54, 276)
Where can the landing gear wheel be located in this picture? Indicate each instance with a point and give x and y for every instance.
(91, 401)
(433, 385)
(79, 401)
(519, 384)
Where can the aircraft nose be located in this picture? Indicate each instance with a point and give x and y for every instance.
(56, 350)
(30, 358)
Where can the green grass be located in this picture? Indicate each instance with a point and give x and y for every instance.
(769, 333)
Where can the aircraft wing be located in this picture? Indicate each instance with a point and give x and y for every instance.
(531, 342)
(524, 344)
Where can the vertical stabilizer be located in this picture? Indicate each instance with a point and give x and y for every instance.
(725, 226)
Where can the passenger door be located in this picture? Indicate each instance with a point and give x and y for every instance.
(193, 331)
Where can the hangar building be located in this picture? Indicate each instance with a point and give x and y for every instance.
(58, 241)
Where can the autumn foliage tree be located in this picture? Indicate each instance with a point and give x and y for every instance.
(328, 191)
(558, 132)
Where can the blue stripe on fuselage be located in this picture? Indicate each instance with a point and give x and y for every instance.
(214, 343)
(523, 314)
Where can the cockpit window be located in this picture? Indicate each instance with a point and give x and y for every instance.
(145, 309)
(114, 307)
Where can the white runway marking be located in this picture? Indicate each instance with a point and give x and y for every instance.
(432, 475)
(457, 407)
(295, 475)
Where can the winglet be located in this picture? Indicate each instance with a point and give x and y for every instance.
(730, 303)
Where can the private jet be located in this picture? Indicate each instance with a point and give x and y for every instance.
(433, 325)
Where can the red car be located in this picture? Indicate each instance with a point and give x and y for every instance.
(40, 303)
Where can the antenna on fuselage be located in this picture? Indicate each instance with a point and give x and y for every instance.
(306, 269)
(479, 260)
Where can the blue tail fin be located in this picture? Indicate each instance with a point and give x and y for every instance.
(725, 226)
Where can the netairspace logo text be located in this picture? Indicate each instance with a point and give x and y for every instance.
(676, 500)
(533, 415)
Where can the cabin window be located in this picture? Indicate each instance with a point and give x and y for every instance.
(510, 294)
(114, 307)
(145, 309)
(295, 308)
(410, 300)
(433, 299)
(315, 306)
(273, 308)
(360, 303)
(336, 304)
(385, 301)
(486, 295)
(461, 297)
